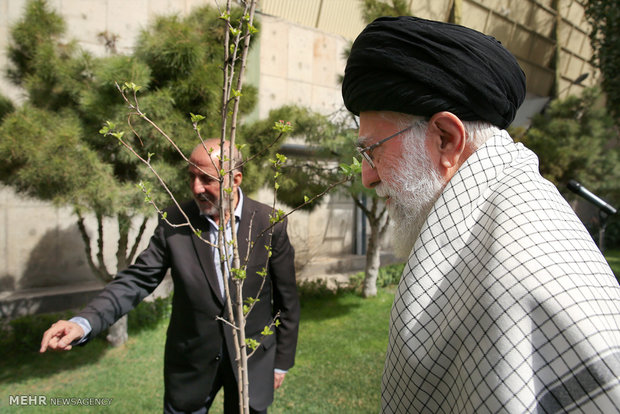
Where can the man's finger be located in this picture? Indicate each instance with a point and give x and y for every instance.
(60, 336)
(47, 337)
(71, 334)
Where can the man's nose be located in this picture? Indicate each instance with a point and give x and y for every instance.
(370, 177)
(196, 185)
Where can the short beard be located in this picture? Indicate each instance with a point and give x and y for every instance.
(412, 192)
(213, 209)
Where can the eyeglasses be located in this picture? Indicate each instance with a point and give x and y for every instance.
(366, 152)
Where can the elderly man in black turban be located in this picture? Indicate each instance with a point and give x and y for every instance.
(505, 303)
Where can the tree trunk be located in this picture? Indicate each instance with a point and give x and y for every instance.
(117, 333)
(378, 221)
(373, 256)
(373, 260)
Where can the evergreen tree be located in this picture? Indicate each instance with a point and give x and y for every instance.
(52, 148)
(330, 142)
(574, 139)
(373, 9)
(6, 106)
(604, 17)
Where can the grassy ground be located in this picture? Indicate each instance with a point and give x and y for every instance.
(338, 367)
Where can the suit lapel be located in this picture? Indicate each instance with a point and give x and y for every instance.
(204, 250)
(243, 235)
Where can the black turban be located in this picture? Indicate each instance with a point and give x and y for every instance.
(421, 67)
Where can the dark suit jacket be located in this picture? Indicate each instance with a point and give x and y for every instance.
(195, 337)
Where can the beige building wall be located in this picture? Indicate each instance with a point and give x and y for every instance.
(542, 34)
(299, 65)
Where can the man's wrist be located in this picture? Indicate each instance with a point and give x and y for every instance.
(85, 325)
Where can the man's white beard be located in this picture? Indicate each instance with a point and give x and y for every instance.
(413, 191)
(213, 208)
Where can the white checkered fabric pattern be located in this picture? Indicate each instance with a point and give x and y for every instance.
(505, 304)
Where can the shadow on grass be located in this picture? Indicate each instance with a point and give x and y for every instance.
(22, 362)
(327, 306)
(21, 338)
(28, 363)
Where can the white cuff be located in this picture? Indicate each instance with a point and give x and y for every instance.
(85, 325)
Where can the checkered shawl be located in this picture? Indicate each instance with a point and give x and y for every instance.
(505, 304)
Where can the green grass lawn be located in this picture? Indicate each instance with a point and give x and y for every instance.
(342, 342)
(338, 367)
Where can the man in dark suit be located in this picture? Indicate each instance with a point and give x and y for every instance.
(199, 352)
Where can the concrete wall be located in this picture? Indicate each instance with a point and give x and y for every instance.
(299, 65)
(39, 245)
(43, 265)
(526, 27)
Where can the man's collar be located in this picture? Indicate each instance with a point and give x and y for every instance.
(239, 207)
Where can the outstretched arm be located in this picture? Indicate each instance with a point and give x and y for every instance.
(61, 335)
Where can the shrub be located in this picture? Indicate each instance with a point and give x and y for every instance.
(319, 289)
(25, 332)
(388, 276)
(149, 314)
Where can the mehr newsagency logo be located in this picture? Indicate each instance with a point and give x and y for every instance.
(43, 400)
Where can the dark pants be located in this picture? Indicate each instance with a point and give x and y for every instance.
(225, 377)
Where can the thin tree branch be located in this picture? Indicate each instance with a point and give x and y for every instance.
(87, 248)
(219, 318)
(134, 247)
(310, 200)
(361, 206)
(99, 255)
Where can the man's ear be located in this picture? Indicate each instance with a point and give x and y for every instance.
(447, 140)
(237, 178)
